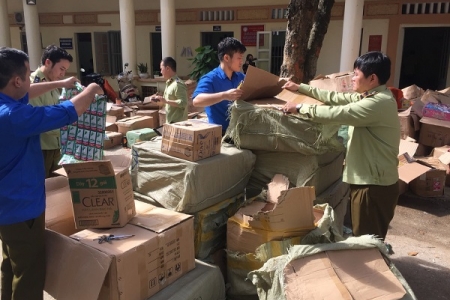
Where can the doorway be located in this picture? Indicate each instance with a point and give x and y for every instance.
(213, 38)
(156, 55)
(84, 54)
(425, 57)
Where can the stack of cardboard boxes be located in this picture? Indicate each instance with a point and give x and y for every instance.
(148, 249)
(425, 136)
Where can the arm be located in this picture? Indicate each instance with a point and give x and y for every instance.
(180, 97)
(362, 113)
(203, 95)
(37, 89)
(325, 96)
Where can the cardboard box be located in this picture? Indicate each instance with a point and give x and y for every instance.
(406, 124)
(114, 110)
(159, 253)
(343, 274)
(435, 97)
(102, 193)
(432, 183)
(110, 124)
(192, 140)
(408, 168)
(443, 154)
(143, 134)
(338, 82)
(112, 139)
(434, 133)
(154, 114)
(134, 122)
(287, 213)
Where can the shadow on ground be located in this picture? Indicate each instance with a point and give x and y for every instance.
(423, 277)
(437, 206)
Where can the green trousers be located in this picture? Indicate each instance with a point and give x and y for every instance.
(23, 265)
(372, 208)
(51, 160)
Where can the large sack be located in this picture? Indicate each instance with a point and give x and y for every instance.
(255, 128)
(319, 171)
(186, 186)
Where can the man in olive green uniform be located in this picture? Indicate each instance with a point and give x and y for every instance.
(175, 95)
(54, 64)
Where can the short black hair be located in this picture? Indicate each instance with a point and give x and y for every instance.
(374, 62)
(55, 54)
(230, 45)
(12, 63)
(170, 62)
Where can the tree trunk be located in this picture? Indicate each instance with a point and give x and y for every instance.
(306, 28)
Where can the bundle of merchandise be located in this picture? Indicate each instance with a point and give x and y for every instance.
(83, 140)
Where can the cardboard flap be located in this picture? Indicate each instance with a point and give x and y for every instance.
(101, 168)
(292, 212)
(407, 147)
(343, 274)
(158, 219)
(290, 96)
(84, 268)
(259, 83)
(278, 184)
(408, 171)
(445, 158)
(59, 209)
(110, 120)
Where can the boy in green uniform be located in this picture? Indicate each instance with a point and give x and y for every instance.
(175, 94)
(54, 64)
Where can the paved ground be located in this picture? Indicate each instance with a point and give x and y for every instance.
(420, 238)
(421, 226)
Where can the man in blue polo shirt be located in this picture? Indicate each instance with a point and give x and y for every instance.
(217, 89)
(22, 171)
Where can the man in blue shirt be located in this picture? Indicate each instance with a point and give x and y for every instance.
(22, 172)
(217, 89)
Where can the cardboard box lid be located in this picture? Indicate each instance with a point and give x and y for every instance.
(192, 125)
(111, 165)
(84, 268)
(116, 247)
(343, 274)
(408, 169)
(158, 219)
(260, 84)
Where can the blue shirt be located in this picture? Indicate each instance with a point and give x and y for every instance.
(22, 172)
(217, 81)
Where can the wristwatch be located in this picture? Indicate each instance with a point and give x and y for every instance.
(298, 106)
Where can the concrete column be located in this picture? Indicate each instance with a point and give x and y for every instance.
(33, 34)
(351, 33)
(128, 34)
(168, 28)
(5, 34)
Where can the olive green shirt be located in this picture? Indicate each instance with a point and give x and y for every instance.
(176, 90)
(374, 131)
(50, 139)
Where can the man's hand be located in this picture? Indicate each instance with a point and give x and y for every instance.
(69, 83)
(290, 85)
(94, 88)
(233, 94)
(290, 107)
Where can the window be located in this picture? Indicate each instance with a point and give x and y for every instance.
(108, 52)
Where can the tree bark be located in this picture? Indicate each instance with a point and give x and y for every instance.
(306, 28)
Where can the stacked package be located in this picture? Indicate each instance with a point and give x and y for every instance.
(83, 140)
